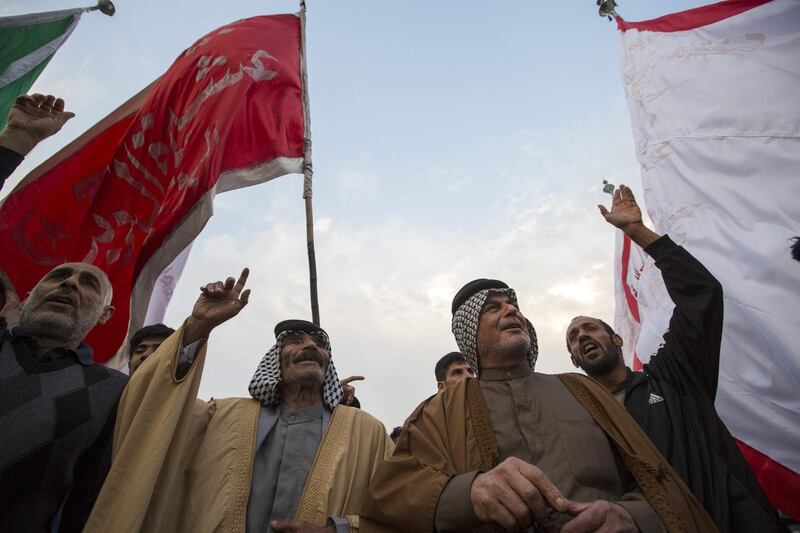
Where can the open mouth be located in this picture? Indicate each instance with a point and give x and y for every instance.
(588, 347)
(512, 326)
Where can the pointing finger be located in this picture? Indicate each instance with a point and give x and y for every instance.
(242, 280)
(348, 380)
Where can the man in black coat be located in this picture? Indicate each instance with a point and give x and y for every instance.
(673, 397)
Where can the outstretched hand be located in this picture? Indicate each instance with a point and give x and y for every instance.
(218, 302)
(626, 215)
(32, 119)
(625, 211)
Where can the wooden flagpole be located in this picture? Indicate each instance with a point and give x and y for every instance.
(308, 173)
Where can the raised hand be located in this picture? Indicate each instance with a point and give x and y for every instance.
(218, 302)
(32, 119)
(349, 390)
(624, 209)
(626, 215)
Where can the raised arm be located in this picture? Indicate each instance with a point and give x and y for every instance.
(690, 354)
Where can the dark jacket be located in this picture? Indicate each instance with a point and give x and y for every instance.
(673, 399)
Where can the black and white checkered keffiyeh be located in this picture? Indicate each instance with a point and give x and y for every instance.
(465, 324)
(264, 385)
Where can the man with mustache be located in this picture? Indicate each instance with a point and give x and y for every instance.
(56, 407)
(290, 458)
(672, 398)
(517, 449)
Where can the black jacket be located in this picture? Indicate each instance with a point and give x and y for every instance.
(673, 399)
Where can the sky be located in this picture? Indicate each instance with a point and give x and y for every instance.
(452, 140)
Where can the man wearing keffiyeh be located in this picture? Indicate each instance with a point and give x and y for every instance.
(288, 459)
(523, 450)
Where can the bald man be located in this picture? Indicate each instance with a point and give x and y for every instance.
(57, 408)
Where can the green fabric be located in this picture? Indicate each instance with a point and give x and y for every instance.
(19, 86)
(18, 42)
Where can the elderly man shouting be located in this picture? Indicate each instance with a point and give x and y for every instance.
(288, 459)
(56, 406)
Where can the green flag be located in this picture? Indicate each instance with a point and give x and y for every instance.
(28, 43)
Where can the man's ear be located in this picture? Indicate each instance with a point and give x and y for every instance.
(107, 312)
(617, 340)
(439, 385)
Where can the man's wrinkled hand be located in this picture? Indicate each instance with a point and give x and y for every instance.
(218, 302)
(295, 526)
(514, 494)
(625, 211)
(32, 119)
(600, 516)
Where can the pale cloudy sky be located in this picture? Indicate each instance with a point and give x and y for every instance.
(452, 140)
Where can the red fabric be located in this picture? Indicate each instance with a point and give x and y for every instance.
(693, 18)
(633, 305)
(231, 101)
(781, 485)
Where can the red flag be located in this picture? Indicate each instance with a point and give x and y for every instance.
(137, 188)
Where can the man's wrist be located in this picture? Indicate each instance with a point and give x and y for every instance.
(640, 234)
(17, 141)
(194, 330)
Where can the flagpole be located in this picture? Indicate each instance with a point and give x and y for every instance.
(308, 173)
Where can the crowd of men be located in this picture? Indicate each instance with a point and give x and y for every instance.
(498, 447)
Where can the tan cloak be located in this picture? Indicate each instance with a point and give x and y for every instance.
(181, 464)
(451, 433)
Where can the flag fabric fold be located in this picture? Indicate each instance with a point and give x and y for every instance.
(136, 189)
(29, 42)
(714, 101)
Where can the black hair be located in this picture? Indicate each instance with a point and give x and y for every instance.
(155, 330)
(606, 327)
(445, 362)
(796, 249)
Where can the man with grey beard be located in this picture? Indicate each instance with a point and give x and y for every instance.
(57, 408)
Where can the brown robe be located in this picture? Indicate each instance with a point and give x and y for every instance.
(452, 433)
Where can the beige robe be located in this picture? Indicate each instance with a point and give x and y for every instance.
(181, 464)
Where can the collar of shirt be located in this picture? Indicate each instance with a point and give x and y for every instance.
(301, 415)
(520, 370)
(82, 354)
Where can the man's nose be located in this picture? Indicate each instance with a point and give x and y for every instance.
(71, 281)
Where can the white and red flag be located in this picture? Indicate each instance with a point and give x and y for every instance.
(136, 189)
(714, 100)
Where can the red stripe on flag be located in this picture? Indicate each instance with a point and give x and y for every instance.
(633, 305)
(692, 18)
(781, 485)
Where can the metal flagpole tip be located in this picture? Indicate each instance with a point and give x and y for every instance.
(106, 7)
(608, 8)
